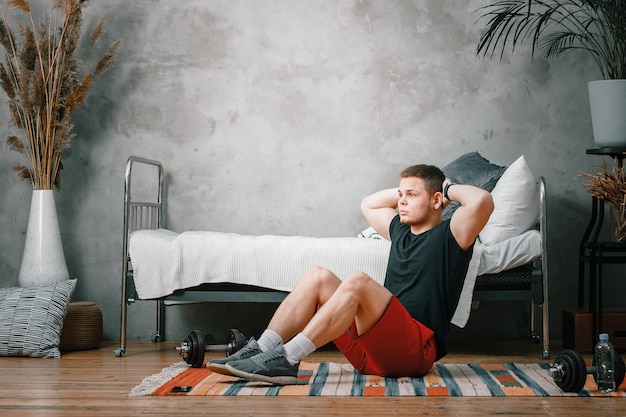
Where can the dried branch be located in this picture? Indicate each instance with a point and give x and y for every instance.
(23, 172)
(16, 144)
(28, 54)
(98, 31)
(108, 58)
(20, 5)
(44, 84)
(610, 187)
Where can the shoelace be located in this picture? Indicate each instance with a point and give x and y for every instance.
(271, 356)
(247, 349)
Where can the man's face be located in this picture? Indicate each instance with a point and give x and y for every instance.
(416, 204)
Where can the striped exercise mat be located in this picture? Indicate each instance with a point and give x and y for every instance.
(335, 379)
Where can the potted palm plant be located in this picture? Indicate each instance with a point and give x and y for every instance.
(553, 27)
(44, 85)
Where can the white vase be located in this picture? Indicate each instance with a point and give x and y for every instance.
(607, 101)
(43, 261)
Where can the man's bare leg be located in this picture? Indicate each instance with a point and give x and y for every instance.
(314, 289)
(357, 298)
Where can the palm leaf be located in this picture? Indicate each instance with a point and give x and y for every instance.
(553, 27)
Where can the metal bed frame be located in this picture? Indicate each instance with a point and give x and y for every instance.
(527, 283)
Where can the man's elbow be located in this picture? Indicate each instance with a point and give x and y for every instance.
(486, 202)
(365, 205)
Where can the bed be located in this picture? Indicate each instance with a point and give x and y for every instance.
(509, 263)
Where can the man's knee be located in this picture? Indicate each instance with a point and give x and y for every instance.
(317, 272)
(357, 282)
(321, 276)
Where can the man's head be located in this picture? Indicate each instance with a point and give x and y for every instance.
(420, 200)
(433, 176)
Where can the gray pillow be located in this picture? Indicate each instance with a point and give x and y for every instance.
(31, 319)
(472, 168)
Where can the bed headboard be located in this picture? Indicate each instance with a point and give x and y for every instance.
(144, 211)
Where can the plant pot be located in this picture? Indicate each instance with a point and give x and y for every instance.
(607, 101)
(43, 261)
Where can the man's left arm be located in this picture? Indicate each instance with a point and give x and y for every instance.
(470, 218)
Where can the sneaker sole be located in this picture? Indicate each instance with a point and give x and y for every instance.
(276, 380)
(219, 368)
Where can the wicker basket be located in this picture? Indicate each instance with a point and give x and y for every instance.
(82, 329)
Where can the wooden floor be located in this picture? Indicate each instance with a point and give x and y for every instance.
(96, 383)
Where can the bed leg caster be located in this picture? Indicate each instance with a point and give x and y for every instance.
(569, 371)
(193, 348)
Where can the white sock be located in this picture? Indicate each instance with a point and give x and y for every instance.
(269, 340)
(297, 348)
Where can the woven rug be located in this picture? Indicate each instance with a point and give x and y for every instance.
(334, 379)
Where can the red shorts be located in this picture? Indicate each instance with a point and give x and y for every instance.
(397, 345)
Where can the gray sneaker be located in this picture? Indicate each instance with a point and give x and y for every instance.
(249, 350)
(271, 366)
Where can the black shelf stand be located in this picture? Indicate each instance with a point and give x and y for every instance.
(596, 253)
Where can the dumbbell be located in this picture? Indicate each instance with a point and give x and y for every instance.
(569, 370)
(193, 348)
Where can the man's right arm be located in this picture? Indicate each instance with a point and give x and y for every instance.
(379, 210)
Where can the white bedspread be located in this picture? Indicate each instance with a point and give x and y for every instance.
(164, 261)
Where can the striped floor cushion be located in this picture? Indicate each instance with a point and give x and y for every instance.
(31, 319)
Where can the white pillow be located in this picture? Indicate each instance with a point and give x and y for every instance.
(510, 253)
(516, 201)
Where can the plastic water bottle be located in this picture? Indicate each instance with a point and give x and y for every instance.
(605, 365)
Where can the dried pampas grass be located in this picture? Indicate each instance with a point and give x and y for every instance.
(611, 188)
(43, 83)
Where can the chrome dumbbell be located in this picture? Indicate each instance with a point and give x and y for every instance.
(569, 370)
(193, 348)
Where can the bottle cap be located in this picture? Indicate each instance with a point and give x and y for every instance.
(604, 336)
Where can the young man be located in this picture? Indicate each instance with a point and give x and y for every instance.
(394, 330)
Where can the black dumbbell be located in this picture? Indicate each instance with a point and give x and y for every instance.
(569, 370)
(194, 347)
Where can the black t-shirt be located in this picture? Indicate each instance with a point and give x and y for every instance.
(426, 273)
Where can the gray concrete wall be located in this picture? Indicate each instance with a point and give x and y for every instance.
(277, 117)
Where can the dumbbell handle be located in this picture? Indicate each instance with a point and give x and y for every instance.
(216, 347)
(556, 371)
(184, 346)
